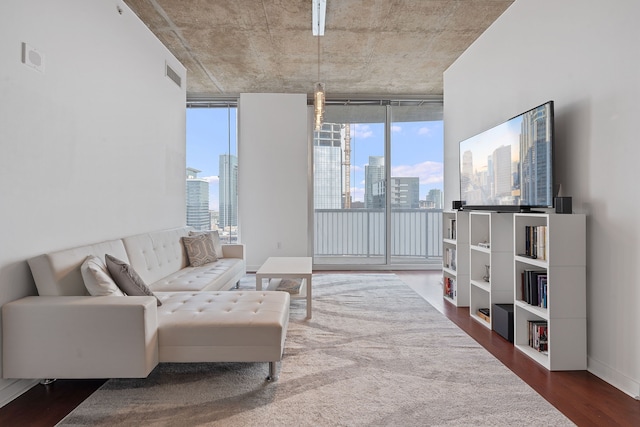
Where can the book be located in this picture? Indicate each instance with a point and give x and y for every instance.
(539, 335)
(535, 242)
(451, 231)
(449, 287)
(542, 290)
(541, 250)
(449, 260)
(530, 285)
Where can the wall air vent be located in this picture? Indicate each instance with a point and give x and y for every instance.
(171, 73)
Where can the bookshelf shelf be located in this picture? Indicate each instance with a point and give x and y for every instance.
(550, 290)
(455, 250)
(491, 262)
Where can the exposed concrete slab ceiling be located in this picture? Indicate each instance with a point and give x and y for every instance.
(370, 47)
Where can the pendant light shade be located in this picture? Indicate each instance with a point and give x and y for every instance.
(318, 105)
(318, 18)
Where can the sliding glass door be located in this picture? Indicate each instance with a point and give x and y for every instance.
(377, 185)
(349, 215)
(415, 187)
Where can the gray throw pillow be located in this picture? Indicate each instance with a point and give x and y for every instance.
(215, 236)
(199, 249)
(127, 279)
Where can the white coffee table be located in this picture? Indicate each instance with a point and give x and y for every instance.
(288, 268)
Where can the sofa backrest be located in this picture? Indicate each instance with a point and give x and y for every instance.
(58, 273)
(157, 254)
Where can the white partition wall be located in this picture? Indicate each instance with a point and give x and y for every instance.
(582, 55)
(92, 144)
(273, 176)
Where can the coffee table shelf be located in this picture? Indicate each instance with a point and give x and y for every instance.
(287, 268)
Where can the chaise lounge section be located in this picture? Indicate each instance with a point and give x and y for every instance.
(65, 333)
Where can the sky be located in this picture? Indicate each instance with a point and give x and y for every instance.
(416, 149)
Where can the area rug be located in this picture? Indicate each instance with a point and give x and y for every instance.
(374, 354)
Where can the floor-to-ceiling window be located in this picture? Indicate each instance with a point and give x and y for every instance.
(378, 184)
(212, 168)
(415, 186)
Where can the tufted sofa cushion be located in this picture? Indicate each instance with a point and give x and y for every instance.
(205, 277)
(157, 254)
(220, 326)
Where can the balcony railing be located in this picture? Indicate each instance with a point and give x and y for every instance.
(415, 233)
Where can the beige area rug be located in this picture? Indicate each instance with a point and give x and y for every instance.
(374, 354)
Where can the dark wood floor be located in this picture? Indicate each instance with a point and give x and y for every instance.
(581, 396)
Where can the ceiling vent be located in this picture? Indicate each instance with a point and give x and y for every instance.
(173, 75)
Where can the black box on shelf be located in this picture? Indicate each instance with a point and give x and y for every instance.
(503, 320)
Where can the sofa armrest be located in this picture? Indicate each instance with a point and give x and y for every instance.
(79, 337)
(233, 251)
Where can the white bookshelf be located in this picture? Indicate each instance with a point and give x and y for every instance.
(490, 244)
(562, 256)
(455, 235)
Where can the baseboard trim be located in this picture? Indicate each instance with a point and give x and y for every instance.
(11, 389)
(614, 377)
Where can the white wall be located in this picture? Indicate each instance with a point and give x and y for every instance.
(91, 149)
(273, 176)
(583, 55)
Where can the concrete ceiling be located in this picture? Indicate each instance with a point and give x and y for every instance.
(370, 47)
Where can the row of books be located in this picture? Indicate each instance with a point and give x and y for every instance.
(449, 260)
(449, 287)
(535, 242)
(539, 335)
(451, 231)
(534, 289)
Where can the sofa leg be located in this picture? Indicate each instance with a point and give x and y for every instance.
(273, 371)
(47, 381)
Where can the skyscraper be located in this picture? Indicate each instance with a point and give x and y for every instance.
(327, 166)
(502, 184)
(434, 199)
(197, 201)
(535, 157)
(373, 181)
(228, 191)
(405, 193)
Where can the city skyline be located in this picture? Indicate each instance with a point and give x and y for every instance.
(207, 138)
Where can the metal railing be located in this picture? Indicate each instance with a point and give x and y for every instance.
(415, 233)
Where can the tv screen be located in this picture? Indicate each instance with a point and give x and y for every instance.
(510, 166)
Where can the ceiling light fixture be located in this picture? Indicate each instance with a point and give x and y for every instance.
(318, 15)
(318, 19)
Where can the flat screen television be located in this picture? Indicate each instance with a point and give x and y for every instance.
(510, 166)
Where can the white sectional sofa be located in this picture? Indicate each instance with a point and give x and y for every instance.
(65, 333)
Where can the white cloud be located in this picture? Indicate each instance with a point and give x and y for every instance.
(424, 131)
(396, 128)
(357, 194)
(428, 172)
(211, 179)
(361, 131)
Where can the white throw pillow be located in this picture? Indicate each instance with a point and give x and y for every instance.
(217, 245)
(97, 279)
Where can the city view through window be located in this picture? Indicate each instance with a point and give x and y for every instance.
(352, 221)
(212, 171)
(378, 201)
